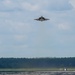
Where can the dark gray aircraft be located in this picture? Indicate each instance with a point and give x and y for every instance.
(41, 19)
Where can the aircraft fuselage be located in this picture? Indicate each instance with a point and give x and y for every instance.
(41, 19)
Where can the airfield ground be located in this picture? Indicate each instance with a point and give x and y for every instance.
(36, 69)
(39, 73)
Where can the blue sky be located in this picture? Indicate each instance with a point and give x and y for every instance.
(22, 36)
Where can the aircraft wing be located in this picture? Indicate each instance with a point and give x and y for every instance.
(46, 19)
(36, 19)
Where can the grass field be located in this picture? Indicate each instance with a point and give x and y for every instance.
(35, 69)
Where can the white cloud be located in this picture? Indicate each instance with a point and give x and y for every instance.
(6, 5)
(14, 47)
(14, 5)
(18, 47)
(72, 3)
(7, 2)
(13, 40)
(20, 27)
(61, 5)
(29, 6)
(53, 5)
(20, 37)
(64, 26)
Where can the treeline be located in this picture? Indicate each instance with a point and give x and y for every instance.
(36, 62)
